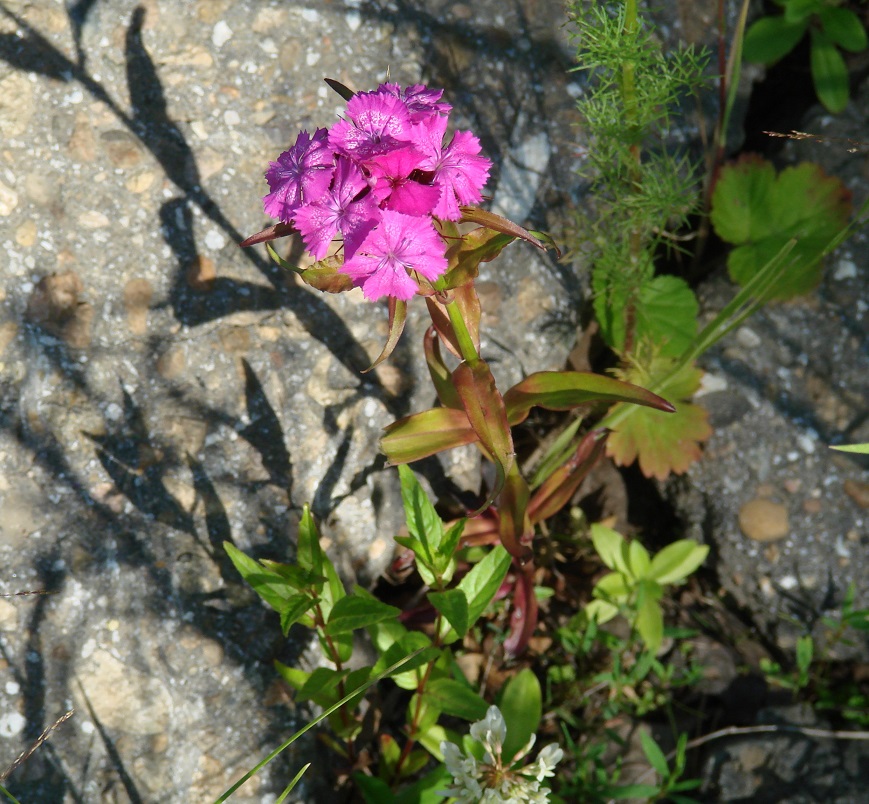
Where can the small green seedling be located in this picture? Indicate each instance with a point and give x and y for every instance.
(636, 584)
(830, 26)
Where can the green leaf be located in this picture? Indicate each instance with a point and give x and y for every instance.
(410, 675)
(484, 580)
(805, 652)
(322, 685)
(427, 433)
(374, 790)
(295, 607)
(829, 73)
(639, 560)
(295, 677)
(423, 523)
(600, 611)
(860, 449)
(454, 606)
(353, 612)
(654, 754)
(843, 27)
(521, 705)
(608, 544)
(425, 791)
(565, 390)
(665, 314)
(760, 212)
(276, 590)
(650, 618)
(613, 588)
(770, 38)
(801, 10)
(456, 699)
(677, 561)
(309, 554)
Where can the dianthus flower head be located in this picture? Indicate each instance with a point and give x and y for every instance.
(347, 207)
(301, 174)
(458, 169)
(495, 780)
(399, 183)
(421, 102)
(378, 122)
(397, 245)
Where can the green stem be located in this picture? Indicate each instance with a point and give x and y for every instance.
(463, 337)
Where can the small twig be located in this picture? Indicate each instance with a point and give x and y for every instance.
(25, 755)
(786, 728)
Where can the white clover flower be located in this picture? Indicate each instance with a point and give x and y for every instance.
(495, 780)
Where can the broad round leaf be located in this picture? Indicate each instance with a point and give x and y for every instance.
(770, 38)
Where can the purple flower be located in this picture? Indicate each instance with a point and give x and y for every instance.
(300, 175)
(421, 101)
(340, 209)
(458, 169)
(378, 123)
(399, 182)
(400, 243)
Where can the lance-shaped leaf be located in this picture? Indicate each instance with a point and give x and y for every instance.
(465, 255)
(523, 612)
(499, 224)
(454, 698)
(562, 484)
(397, 317)
(468, 302)
(269, 233)
(514, 527)
(485, 410)
(344, 92)
(441, 376)
(422, 434)
(521, 705)
(564, 390)
(453, 605)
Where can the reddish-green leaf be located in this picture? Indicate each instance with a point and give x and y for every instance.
(465, 255)
(325, 276)
(564, 390)
(760, 213)
(523, 613)
(397, 317)
(499, 224)
(422, 434)
(466, 299)
(485, 410)
(514, 525)
(441, 376)
(267, 234)
(558, 489)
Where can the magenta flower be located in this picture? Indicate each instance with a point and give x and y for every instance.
(400, 243)
(458, 169)
(344, 208)
(400, 184)
(421, 101)
(378, 123)
(299, 176)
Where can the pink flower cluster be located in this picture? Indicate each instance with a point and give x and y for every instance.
(377, 180)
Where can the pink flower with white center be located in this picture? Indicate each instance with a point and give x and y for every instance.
(458, 169)
(399, 244)
(378, 123)
(299, 176)
(400, 184)
(344, 208)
